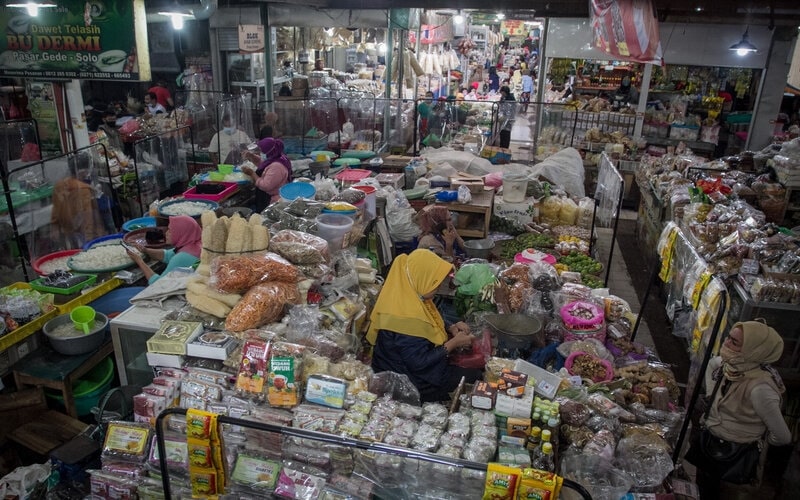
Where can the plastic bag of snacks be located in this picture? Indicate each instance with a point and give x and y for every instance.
(262, 304)
(237, 274)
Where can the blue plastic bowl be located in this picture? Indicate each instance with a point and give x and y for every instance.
(295, 190)
(139, 223)
(90, 244)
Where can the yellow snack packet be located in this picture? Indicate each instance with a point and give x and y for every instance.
(539, 485)
(501, 482)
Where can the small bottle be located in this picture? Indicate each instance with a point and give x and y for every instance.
(547, 462)
(534, 439)
(552, 426)
(546, 435)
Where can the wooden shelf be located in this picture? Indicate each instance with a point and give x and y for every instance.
(482, 204)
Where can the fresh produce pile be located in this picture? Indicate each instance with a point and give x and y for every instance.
(506, 225)
(581, 263)
(525, 241)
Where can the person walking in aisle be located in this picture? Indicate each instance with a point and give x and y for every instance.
(527, 90)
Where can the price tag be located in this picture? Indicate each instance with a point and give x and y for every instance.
(749, 266)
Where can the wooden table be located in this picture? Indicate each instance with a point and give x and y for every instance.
(478, 213)
(47, 368)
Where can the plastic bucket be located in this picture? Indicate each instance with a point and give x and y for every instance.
(514, 190)
(369, 200)
(87, 390)
(83, 318)
(332, 228)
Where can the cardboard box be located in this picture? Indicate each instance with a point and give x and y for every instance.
(474, 184)
(514, 407)
(203, 347)
(167, 360)
(522, 212)
(496, 155)
(483, 395)
(519, 427)
(512, 382)
(397, 181)
(546, 383)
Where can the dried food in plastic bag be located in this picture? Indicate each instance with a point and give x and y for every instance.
(396, 385)
(262, 304)
(602, 444)
(295, 483)
(573, 413)
(299, 247)
(426, 438)
(237, 274)
(645, 458)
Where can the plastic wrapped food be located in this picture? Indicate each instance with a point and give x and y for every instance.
(299, 247)
(126, 441)
(237, 274)
(573, 413)
(261, 304)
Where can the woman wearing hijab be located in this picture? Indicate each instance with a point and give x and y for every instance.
(408, 332)
(273, 172)
(746, 399)
(438, 234)
(185, 235)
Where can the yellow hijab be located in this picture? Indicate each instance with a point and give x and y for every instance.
(400, 307)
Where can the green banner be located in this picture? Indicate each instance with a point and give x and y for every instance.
(79, 39)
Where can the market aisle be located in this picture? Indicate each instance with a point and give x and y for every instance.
(619, 278)
(522, 137)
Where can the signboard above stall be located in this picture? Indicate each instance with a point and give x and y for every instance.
(79, 39)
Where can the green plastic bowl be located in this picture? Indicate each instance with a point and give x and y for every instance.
(225, 168)
(88, 389)
(216, 176)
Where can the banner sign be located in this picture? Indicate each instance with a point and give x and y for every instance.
(436, 34)
(79, 39)
(627, 30)
(514, 27)
(251, 38)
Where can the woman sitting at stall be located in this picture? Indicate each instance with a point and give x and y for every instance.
(185, 235)
(273, 172)
(745, 404)
(438, 233)
(408, 332)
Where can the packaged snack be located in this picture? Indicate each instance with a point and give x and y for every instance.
(254, 471)
(539, 485)
(296, 484)
(126, 441)
(285, 374)
(253, 368)
(237, 274)
(200, 424)
(176, 454)
(501, 482)
(204, 482)
(262, 304)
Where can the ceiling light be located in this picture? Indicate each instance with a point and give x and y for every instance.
(177, 15)
(698, 9)
(458, 18)
(500, 16)
(32, 6)
(743, 46)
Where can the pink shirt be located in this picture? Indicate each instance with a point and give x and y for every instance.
(271, 180)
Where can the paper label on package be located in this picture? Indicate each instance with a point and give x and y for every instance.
(256, 472)
(129, 440)
(282, 390)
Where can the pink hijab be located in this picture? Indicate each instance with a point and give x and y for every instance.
(186, 234)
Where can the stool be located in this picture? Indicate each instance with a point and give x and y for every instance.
(47, 368)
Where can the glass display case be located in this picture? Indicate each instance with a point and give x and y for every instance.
(129, 333)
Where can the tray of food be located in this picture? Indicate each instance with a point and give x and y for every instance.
(52, 262)
(192, 208)
(103, 256)
(63, 282)
(140, 223)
